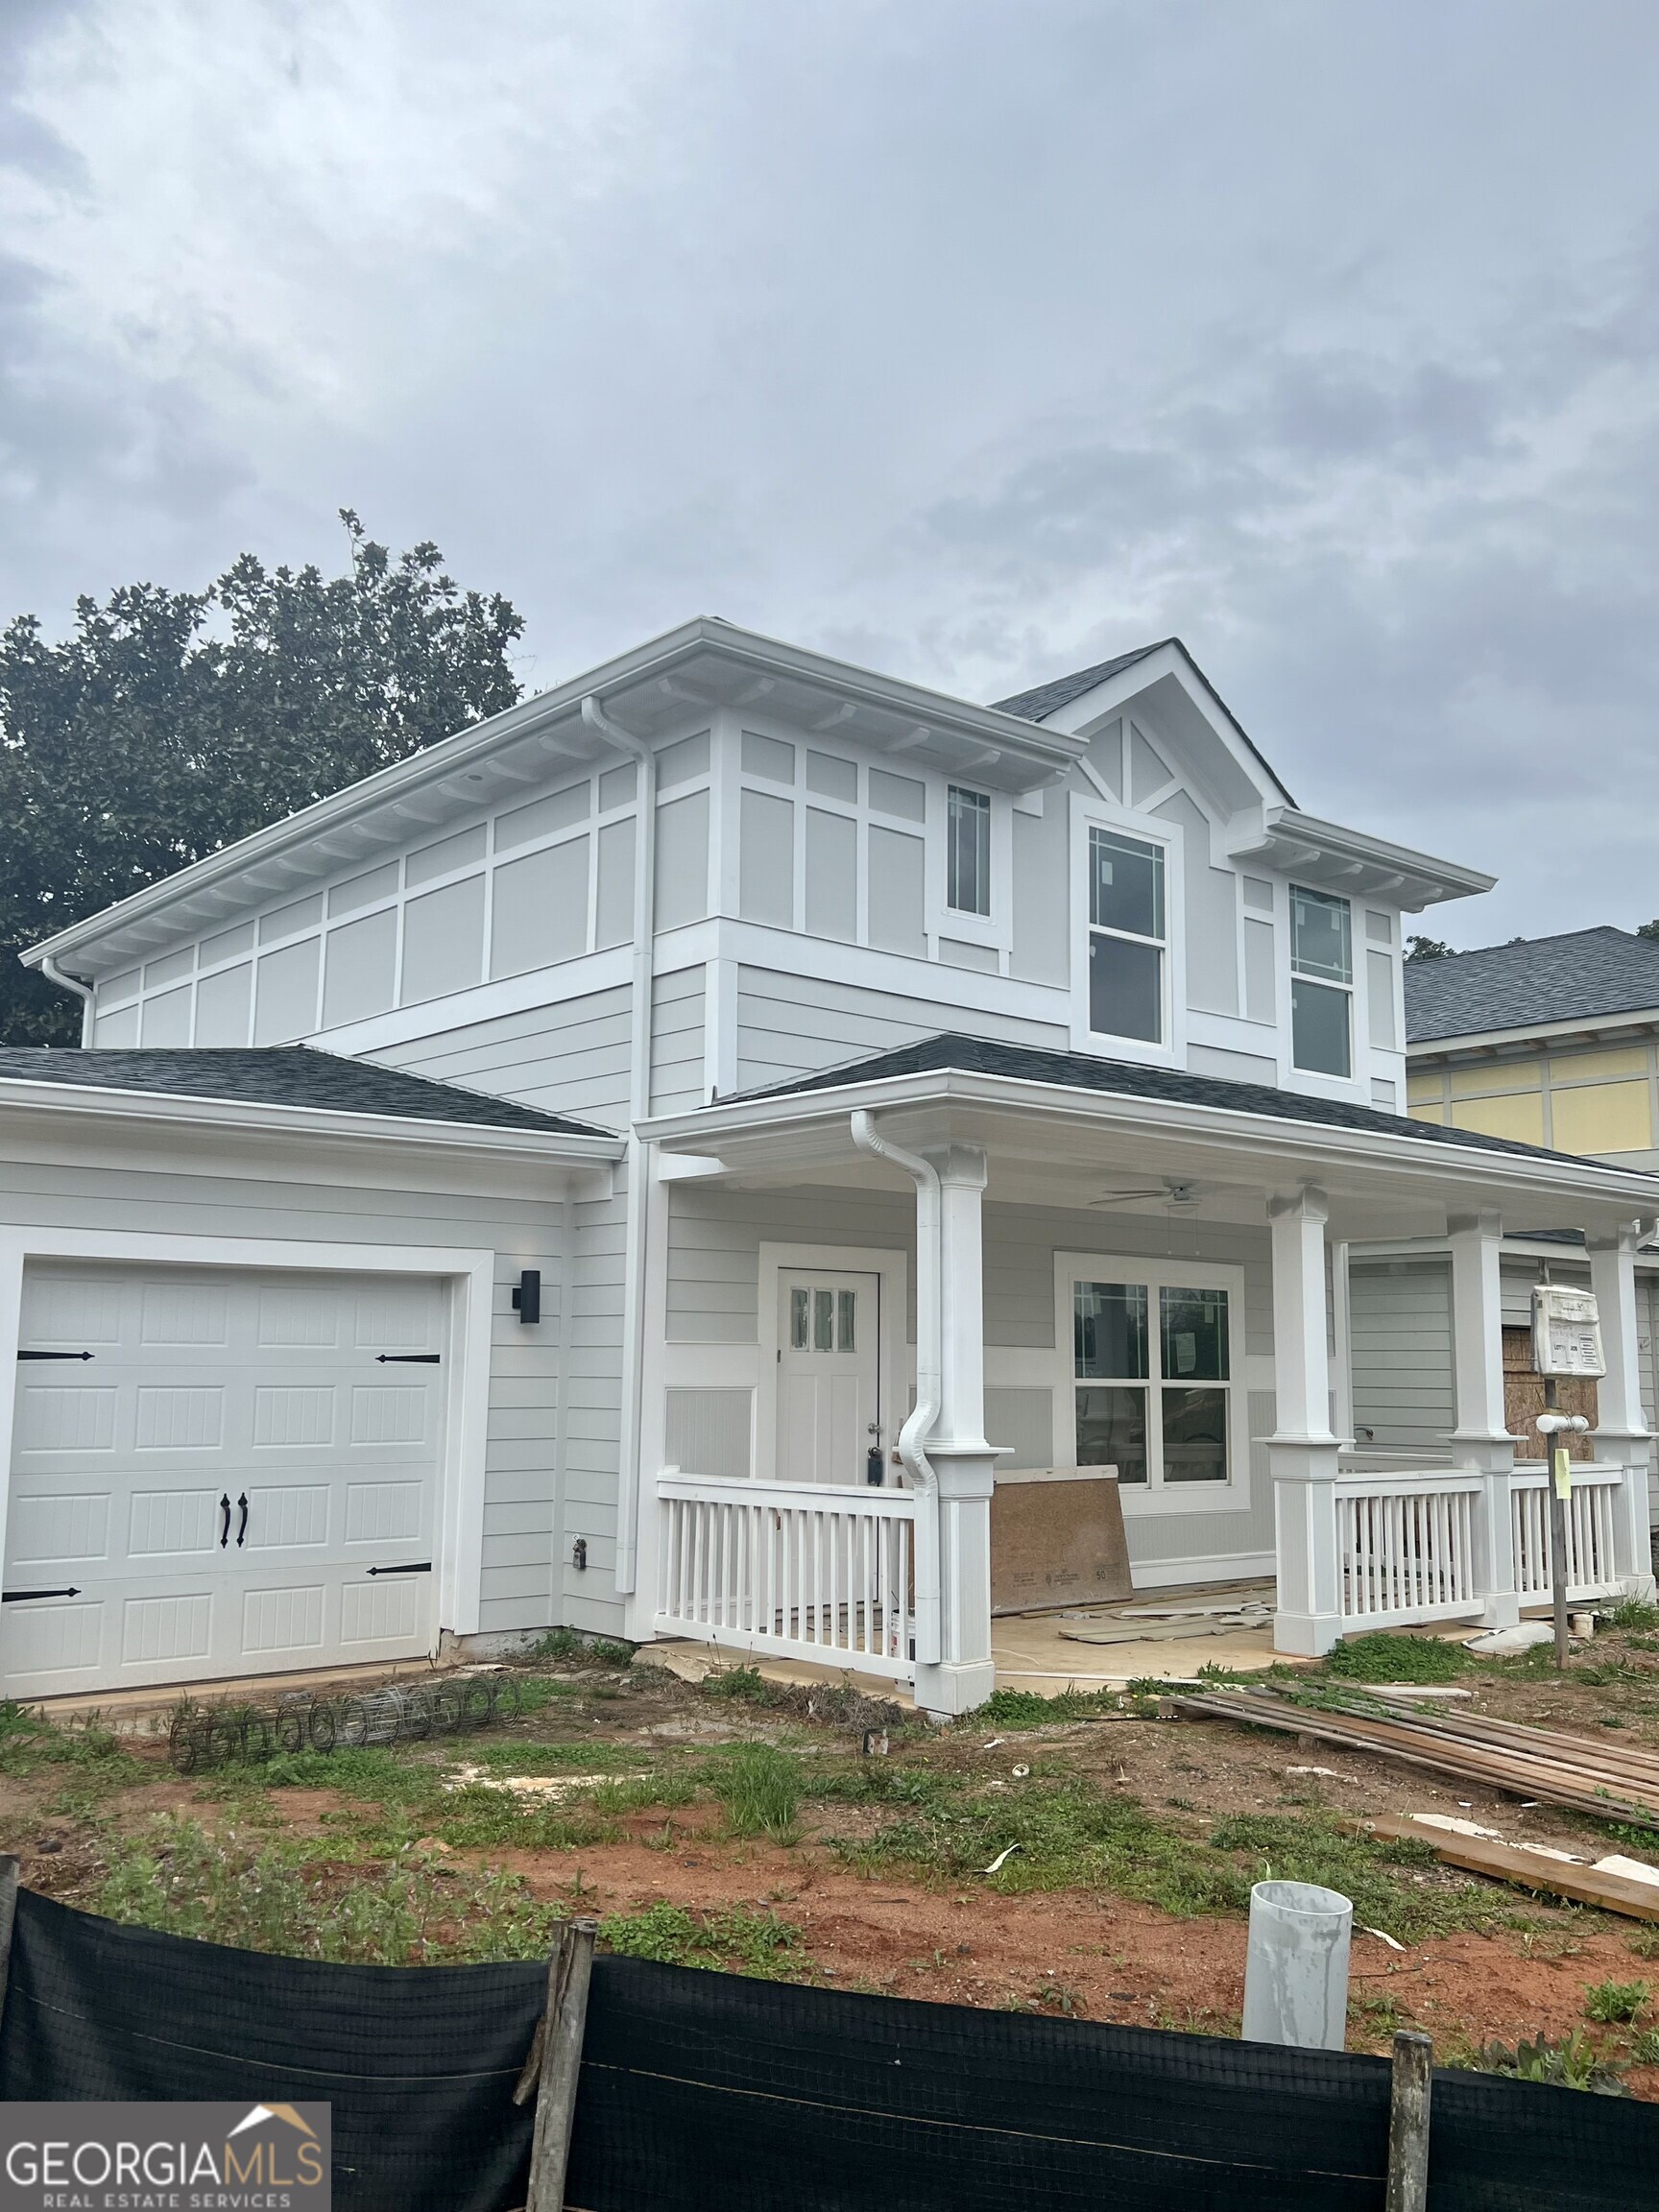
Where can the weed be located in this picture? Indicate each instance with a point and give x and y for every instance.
(1381, 2015)
(1029, 1709)
(760, 1789)
(1630, 1614)
(1646, 1943)
(743, 1685)
(1643, 2048)
(1388, 1658)
(737, 1940)
(572, 1644)
(30, 1743)
(1374, 1872)
(1569, 2064)
(1615, 2003)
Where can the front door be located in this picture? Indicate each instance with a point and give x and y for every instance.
(828, 1374)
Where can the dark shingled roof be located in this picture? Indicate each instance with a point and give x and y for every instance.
(281, 1075)
(1049, 698)
(1585, 974)
(1079, 1072)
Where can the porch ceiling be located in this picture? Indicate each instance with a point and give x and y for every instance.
(1049, 1144)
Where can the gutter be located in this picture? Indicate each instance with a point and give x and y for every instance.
(53, 973)
(639, 1152)
(930, 1374)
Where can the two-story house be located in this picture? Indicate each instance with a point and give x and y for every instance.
(651, 1160)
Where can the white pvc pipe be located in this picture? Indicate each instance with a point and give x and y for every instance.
(929, 1375)
(1296, 1966)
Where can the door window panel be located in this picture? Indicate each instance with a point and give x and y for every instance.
(800, 1308)
(823, 1320)
(847, 1320)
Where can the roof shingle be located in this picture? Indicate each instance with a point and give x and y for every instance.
(1579, 976)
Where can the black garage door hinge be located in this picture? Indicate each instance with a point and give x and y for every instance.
(406, 1359)
(419, 1566)
(15, 1597)
(54, 1355)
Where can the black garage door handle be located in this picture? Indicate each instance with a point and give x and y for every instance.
(242, 1525)
(224, 1524)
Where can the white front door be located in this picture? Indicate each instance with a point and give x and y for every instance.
(218, 1471)
(828, 1374)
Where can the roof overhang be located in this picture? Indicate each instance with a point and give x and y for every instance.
(702, 667)
(72, 1104)
(1327, 857)
(1046, 1143)
(1582, 1028)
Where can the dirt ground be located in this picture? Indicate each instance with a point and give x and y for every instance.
(943, 1934)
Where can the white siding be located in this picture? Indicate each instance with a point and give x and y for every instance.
(794, 1026)
(1399, 1323)
(570, 1058)
(676, 1054)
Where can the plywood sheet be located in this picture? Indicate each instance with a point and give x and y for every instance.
(1057, 1539)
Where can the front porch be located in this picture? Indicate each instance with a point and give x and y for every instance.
(1101, 1280)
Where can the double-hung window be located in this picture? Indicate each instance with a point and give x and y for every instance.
(1127, 941)
(968, 852)
(1321, 983)
(1152, 1367)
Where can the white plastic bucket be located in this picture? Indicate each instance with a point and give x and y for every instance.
(1296, 1967)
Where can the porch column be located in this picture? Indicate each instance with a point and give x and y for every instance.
(962, 1460)
(1622, 1433)
(1481, 1439)
(1302, 1451)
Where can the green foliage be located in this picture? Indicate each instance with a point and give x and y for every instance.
(269, 1897)
(743, 1685)
(573, 1644)
(30, 1743)
(1629, 1615)
(1376, 1872)
(760, 1789)
(1028, 1709)
(1569, 2064)
(1387, 1658)
(1419, 948)
(737, 1940)
(170, 723)
(1643, 2048)
(1615, 2003)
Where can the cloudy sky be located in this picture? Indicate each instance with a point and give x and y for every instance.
(974, 339)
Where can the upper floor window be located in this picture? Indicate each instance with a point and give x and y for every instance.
(968, 852)
(1127, 938)
(1321, 983)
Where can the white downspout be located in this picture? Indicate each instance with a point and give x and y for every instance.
(593, 715)
(930, 1376)
(53, 973)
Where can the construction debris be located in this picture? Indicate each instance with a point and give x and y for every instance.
(1613, 1782)
(1529, 1866)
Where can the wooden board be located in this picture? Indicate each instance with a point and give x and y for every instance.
(1057, 1539)
(1526, 1869)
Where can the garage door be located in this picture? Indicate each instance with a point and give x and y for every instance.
(218, 1471)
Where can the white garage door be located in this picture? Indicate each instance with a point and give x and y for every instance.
(219, 1472)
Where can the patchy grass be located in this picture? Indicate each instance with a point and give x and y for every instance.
(735, 1940)
(1389, 1658)
(1629, 1615)
(1397, 1885)
(1029, 1709)
(760, 1788)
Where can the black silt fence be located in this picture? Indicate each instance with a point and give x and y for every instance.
(707, 2093)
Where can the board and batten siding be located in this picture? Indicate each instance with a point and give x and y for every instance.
(790, 1026)
(523, 1400)
(1400, 1332)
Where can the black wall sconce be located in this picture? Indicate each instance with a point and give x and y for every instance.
(527, 1297)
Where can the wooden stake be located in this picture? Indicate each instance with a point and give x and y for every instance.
(1408, 2189)
(8, 1875)
(554, 2065)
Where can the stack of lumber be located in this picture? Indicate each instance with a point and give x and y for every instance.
(1613, 1780)
(1527, 1869)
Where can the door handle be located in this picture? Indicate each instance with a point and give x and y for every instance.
(242, 1525)
(225, 1522)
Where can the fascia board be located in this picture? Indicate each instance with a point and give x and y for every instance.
(1596, 1025)
(1047, 751)
(1289, 825)
(173, 1110)
(701, 1132)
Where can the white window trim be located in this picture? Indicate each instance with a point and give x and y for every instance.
(1089, 812)
(469, 1276)
(892, 1396)
(1157, 1498)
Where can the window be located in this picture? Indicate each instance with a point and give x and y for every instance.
(823, 1320)
(1126, 937)
(1321, 983)
(968, 852)
(1152, 1366)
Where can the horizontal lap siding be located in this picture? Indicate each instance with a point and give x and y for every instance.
(714, 1244)
(566, 1059)
(677, 1035)
(1399, 1323)
(515, 1590)
(790, 1026)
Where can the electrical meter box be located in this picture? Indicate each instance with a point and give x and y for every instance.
(1565, 1331)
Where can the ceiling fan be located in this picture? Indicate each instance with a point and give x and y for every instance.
(1172, 1191)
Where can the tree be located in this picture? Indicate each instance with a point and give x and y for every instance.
(1648, 928)
(1428, 948)
(168, 724)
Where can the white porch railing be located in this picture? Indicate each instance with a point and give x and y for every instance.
(1405, 1548)
(797, 1571)
(1592, 1532)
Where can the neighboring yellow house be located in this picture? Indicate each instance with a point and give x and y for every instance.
(1553, 1041)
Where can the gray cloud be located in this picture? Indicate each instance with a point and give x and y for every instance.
(971, 338)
